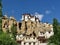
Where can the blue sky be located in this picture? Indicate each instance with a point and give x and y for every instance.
(48, 8)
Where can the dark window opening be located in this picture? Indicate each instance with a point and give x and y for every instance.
(5, 25)
(26, 26)
(34, 43)
(20, 25)
(24, 34)
(34, 34)
(29, 43)
(42, 32)
(49, 31)
(30, 35)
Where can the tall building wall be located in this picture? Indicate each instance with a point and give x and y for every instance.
(5, 23)
(32, 26)
(23, 27)
(29, 30)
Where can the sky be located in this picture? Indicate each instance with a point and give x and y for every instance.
(46, 10)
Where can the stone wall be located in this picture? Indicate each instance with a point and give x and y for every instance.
(30, 25)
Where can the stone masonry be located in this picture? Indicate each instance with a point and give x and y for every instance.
(29, 26)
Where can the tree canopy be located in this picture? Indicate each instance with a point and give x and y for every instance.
(55, 39)
(0, 15)
(6, 39)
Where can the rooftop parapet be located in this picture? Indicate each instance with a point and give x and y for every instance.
(12, 18)
(5, 17)
(27, 17)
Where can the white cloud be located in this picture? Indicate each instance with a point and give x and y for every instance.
(47, 12)
(40, 16)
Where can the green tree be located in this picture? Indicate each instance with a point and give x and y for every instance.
(14, 30)
(0, 15)
(55, 26)
(55, 39)
(6, 39)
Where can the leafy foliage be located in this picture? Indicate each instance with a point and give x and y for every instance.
(55, 39)
(14, 30)
(55, 26)
(6, 39)
(0, 15)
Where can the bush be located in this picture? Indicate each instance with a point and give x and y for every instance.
(6, 39)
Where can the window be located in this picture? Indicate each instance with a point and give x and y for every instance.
(5, 25)
(20, 25)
